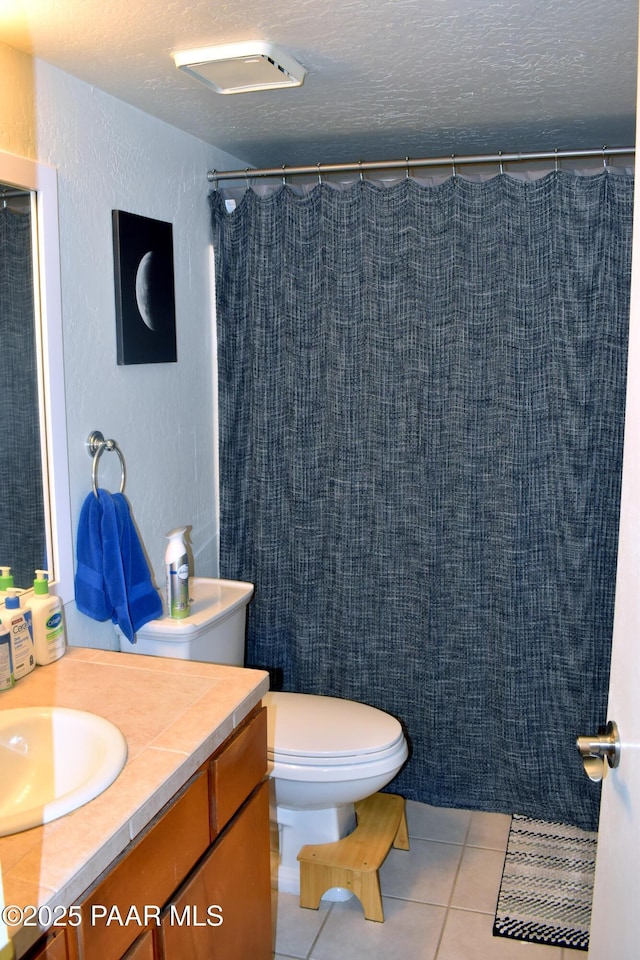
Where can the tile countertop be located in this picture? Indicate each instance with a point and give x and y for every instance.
(173, 714)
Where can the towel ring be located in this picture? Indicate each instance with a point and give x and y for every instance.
(96, 445)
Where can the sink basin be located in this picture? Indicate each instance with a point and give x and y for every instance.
(53, 760)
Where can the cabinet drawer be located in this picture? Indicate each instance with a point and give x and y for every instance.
(147, 875)
(237, 769)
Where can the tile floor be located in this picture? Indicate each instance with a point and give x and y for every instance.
(439, 900)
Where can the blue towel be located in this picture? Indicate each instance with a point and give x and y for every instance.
(112, 576)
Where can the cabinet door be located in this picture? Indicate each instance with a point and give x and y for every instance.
(223, 912)
(52, 947)
(142, 948)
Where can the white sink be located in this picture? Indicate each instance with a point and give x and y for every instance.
(52, 761)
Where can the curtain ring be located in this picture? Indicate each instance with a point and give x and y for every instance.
(319, 174)
(406, 160)
(246, 177)
(214, 179)
(556, 161)
(500, 155)
(453, 164)
(361, 173)
(284, 175)
(604, 157)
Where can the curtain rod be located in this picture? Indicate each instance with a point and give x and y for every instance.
(361, 166)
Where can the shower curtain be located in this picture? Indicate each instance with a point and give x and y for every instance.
(421, 404)
(22, 530)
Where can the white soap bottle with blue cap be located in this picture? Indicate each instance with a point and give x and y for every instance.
(6, 659)
(17, 622)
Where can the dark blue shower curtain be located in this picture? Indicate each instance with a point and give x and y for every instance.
(421, 427)
(22, 521)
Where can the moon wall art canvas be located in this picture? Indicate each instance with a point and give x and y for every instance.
(145, 294)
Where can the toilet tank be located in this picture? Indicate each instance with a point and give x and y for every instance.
(214, 631)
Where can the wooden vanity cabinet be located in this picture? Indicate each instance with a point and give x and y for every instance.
(201, 870)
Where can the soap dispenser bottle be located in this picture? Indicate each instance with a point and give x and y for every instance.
(6, 659)
(176, 562)
(47, 622)
(18, 624)
(6, 581)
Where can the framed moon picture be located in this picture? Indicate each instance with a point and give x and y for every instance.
(144, 288)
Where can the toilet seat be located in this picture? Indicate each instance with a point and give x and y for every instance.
(307, 730)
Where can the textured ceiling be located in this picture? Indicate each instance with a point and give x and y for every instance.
(386, 78)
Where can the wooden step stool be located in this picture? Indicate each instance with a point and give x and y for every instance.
(354, 861)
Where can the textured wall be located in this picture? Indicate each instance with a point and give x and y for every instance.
(386, 78)
(17, 126)
(112, 156)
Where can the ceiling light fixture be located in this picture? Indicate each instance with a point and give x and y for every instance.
(241, 67)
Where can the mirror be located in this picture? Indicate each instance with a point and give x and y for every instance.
(35, 532)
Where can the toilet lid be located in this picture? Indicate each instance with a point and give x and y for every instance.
(311, 729)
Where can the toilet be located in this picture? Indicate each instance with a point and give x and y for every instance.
(324, 753)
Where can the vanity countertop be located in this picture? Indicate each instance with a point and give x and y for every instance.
(173, 714)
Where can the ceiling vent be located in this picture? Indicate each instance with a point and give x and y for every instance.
(241, 67)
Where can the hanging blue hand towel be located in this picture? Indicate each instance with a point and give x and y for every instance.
(112, 576)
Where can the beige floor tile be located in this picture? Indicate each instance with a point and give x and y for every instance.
(296, 927)
(489, 830)
(478, 880)
(437, 823)
(410, 930)
(468, 936)
(425, 873)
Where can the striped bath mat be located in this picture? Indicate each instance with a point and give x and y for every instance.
(547, 884)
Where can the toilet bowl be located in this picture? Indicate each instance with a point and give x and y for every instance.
(324, 753)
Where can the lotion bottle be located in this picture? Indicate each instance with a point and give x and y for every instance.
(18, 624)
(176, 562)
(47, 623)
(6, 659)
(6, 581)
